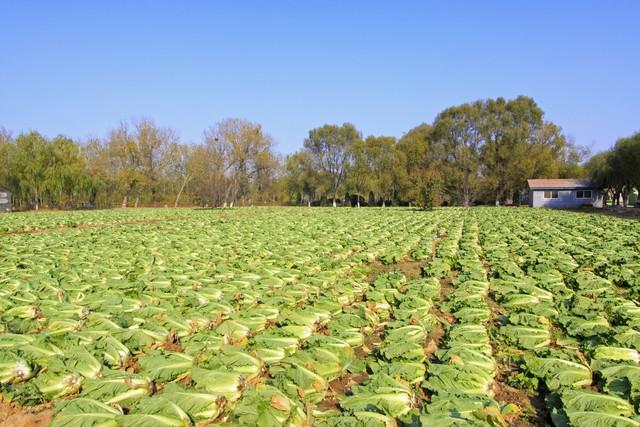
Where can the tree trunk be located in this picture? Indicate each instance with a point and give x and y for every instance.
(384, 202)
(498, 194)
(125, 201)
(509, 198)
(184, 183)
(135, 205)
(358, 205)
(465, 192)
(309, 203)
(37, 203)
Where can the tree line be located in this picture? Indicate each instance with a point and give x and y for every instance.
(479, 152)
(142, 164)
(617, 170)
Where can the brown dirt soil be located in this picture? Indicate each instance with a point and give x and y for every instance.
(443, 316)
(496, 308)
(361, 352)
(131, 364)
(446, 286)
(343, 383)
(340, 386)
(411, 269)
(329, 403)
(533, 408)
(14, 415)
(433, 341)
(322, 329)
(371, 342)
(172, 343)
(185, 381)
(617, 211)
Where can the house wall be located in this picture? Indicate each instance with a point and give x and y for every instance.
(566, 199)
(5, 200)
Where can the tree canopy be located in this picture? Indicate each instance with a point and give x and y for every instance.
(618, 170)
(477, 152)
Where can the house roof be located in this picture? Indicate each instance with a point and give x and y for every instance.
(559, 184)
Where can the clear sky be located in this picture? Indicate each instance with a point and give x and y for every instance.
(79, 68)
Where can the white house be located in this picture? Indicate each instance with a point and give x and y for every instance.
(5, 200)
(563, 193)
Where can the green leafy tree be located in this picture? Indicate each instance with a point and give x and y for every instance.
(372, 167)
(329, 150)
(628, 159)
(459, 129)
(429, 186)
(301, 177)
(618, 169)
(419, 151)
(360, 169)
(518, 144)
(384, 163)
(29, 167)
(6, 152)
(101, 186)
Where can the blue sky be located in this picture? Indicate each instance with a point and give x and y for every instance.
(79, 68)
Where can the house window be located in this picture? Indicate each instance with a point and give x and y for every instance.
(548, 194)
(583, 194)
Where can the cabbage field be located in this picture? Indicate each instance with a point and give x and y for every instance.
(320, 317)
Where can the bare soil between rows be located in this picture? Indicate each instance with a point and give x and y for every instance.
(15, 415)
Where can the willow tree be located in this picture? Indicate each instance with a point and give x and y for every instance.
(6, 149)
(66, 180)
(617, 170)
(30, 163)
